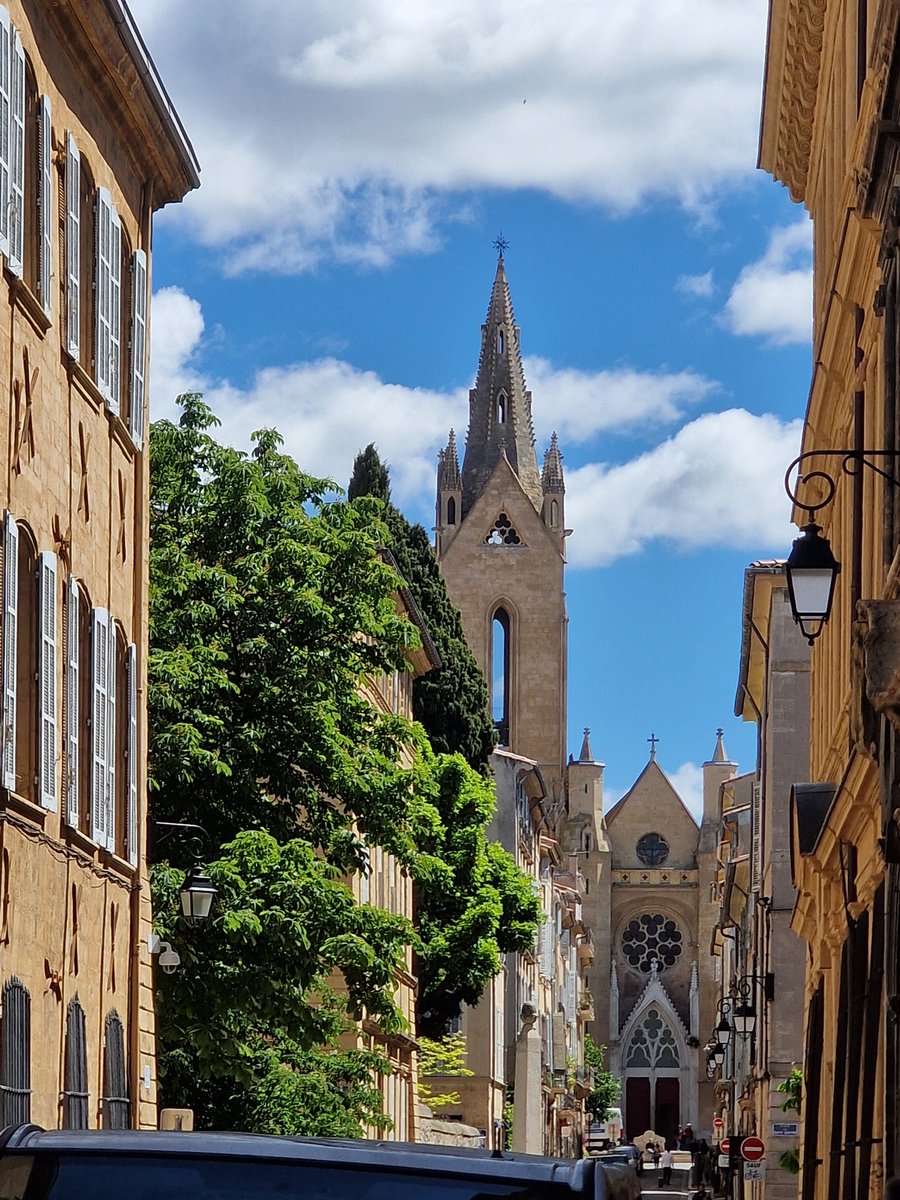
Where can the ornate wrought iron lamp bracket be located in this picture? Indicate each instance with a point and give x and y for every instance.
(851, 462)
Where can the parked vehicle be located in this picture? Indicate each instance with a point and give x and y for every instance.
(83, 1164)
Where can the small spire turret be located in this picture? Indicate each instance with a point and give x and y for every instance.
(448, 464)
(448, 508)
(586, 754)
(552, 479)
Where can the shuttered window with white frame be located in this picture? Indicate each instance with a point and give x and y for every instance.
(132, 755)
(73, 248)
(47, 676)
(45, 204)
(17, 156)
(10, 642)
(111, 729)
(103, 298)
(115, 312)
(138, 346)
(72, 705)
(5, 98)
(100, 631)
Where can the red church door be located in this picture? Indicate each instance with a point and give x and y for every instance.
(667, 1108)
(637, 1107)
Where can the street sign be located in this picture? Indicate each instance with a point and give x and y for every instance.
(754, 1172)
(723, 1145)
(786, 1128)
(718, 1123)
(753, 1148)
(724, 1160)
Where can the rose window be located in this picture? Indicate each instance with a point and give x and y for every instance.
(652, 936)
(652, 849)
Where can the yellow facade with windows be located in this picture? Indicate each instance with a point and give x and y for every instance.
(94, 149)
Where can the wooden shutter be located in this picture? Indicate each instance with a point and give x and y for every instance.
(138, 346)
(115, 311)
(17, 156)
(132, 752)
(72, 702)
(10, 631)
(5, 95)
(100, 625)
(47, 674)
(73, 247)
(45, 203)
(103, 284)
(111, 740)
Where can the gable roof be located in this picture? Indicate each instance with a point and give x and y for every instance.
(651, 768)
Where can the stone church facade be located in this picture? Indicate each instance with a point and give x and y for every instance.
(625, 950)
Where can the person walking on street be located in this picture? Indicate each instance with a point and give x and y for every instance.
(666, 1162)
(655, 1152)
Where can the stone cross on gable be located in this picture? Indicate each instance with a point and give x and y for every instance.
(652, 739)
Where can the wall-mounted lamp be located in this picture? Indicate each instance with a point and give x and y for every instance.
(811, 567)
(744, 1013)
(198, 891)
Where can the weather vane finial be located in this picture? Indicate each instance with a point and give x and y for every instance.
(500, 243)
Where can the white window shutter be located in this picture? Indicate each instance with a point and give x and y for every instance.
(72, 701)
(115, 311)
(111, 740)
(47, 676)
(45, 204)
(132, 751)
(17, 156)
(99, 722)
(103, 283)
(10, 638)
(73, 247)
(138, 347)
(5, 97)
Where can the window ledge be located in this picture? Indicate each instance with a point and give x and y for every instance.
(121, 866)
(80, 841)
(25, 808)
(84, 384)
(23, 298)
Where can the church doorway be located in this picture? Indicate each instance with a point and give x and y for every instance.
(666, 1120)
(653, 1074)
(638, 1114)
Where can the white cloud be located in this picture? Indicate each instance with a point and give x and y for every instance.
(175, 331)
(701, 286)
(716, 482)
(353, 129)
(772, 297)
(581, 404)
(687, 781)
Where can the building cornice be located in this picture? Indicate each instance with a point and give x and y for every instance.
(791, 81)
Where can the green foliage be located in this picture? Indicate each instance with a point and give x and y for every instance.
(443, 1056)
(607, 1089)
(473, 903)
(793, 1089)
(790, 1160)
(452, 701)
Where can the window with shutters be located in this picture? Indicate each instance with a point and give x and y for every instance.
(27, 667)
(126, 309)
(108, 300)
(102, 810)
(75, 1091)
(32, 186)
(116, 1112)
(72, 202)
(86, 257)
(118, 756)
(48, 674)
(15, 1054)
(84, 694)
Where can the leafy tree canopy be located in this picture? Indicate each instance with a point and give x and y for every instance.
(451, 702)
(607, 1089)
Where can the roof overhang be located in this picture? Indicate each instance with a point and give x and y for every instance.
(761, 579)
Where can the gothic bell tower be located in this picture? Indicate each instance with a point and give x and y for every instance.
(500, 541)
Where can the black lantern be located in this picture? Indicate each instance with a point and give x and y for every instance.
(744, 1019)
(724, 1032)
(717, 1054)
(812, 572)
(197, 894)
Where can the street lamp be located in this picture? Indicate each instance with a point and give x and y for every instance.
(812, 572)
(197, 894)
(724, 1031)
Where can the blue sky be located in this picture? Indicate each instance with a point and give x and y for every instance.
(331, 275)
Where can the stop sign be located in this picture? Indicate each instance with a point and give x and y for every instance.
(723, 1146)
(753, 1148)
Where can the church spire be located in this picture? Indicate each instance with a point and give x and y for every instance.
(719, 755)
(448, 469)
(552, 475)
(499, 404)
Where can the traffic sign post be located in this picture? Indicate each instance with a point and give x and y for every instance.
(753, 1149)
(724, 1145)
(754, 1171)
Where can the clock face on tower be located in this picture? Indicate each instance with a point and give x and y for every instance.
(652, 849)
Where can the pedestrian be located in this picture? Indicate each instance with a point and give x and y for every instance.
(655, 1152)
(666, 1162)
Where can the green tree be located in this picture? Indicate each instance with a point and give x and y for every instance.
(607, 1089)
(441, 1057)
(451, 702)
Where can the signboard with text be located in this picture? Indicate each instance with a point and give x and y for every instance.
(754, 1172)
(786, 1129)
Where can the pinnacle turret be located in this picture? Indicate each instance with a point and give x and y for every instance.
(552, 475)
(500, 404)
(448, 470)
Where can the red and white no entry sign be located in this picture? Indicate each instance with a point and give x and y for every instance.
(723, 1147)
(753, 1149)
(718, 1123)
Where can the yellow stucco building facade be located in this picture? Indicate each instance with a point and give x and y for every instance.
(830, 123)
(90, 148)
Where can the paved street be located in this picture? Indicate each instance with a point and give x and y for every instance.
(677, 1188)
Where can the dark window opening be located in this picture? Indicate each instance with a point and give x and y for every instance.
(116, 1105)
(500, 660)
(501, 409)
(451, 511)
(75, 1095)
(15, 1054)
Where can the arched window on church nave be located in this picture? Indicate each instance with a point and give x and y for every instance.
(500, 659)
(652, 1043)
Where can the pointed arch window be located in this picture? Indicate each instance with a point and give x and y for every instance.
(15, 1054)
(75, 1096)
(501, 341)
(653, 1043)
(554, 514)
(451, 511)
(501, 408)
(116, 1105)
(500, 662)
